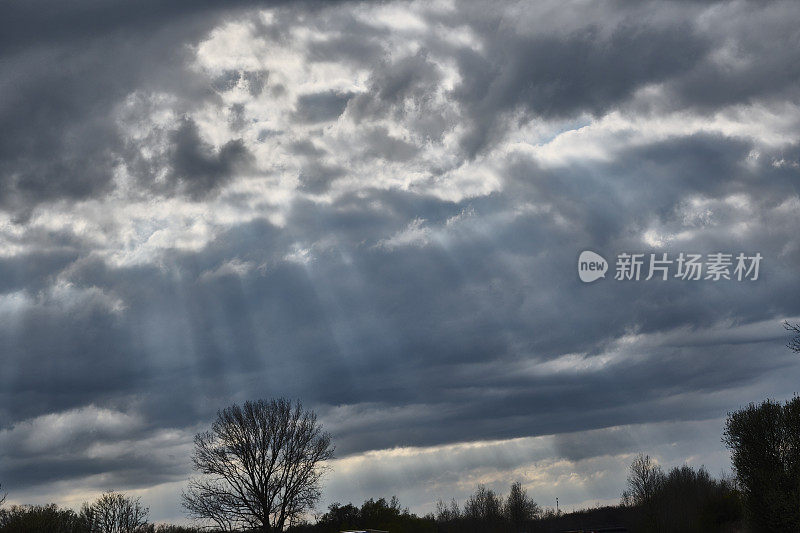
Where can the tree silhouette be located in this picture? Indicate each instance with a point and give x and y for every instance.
(115, 513)
(447, 512)
(765, 450)
(519, 508)
(261, 465)
(483, 509)
(794, 343)
(36, 518)
(644, 479)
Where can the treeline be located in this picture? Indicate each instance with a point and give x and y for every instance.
(764, 495)
(387, 515)
(113, 512)
(484, 511)
(684, 499)
(764, 441)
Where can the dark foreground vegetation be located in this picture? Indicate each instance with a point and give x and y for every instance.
(685, 500)
(716, 509)
(764, 495)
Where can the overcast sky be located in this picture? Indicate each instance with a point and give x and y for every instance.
(378, 208)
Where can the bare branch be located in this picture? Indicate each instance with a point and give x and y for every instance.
(115, 513)
(261, 465)
(794, 343)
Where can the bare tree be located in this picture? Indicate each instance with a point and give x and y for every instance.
(520, 508)
(764, 440)
(447, 512)
(2, 495)
(483, 506)
(261, 465)
(115, 513)
(794, 343)
(211, 502)
(644, 479)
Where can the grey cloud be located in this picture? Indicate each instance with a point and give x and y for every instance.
(29, 23)
(294, 330)
(179, 161)
(382, 145)
(563, 76)
(321, 107)
(44, 153)
(340, 36)
(394, 83)
(254, 80)
(236, 117)
(195, 167)
(741, 57)
(266, 133)
(61, 446)
(34, 271)
(306, 148)
(317, 178)
(227, 80)
(67, 69)
(61, 140)
(649, 182)
(759, 63)
(356, 47)
(448, 335)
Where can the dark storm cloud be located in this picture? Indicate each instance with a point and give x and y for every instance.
(196, 168)
(313, 332)
(41, 371)
(33, 271)
(126, 468)
(187, 165)
(68, 68)
(762, 60)
(60, 139)
(516, 76)
(564, 76)
(595, 66)
(48, 148)
(393, 83)
(42, 21)
(339, 36)
(303, 327)
(672, 169)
